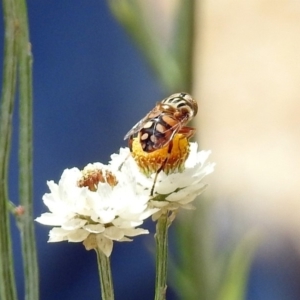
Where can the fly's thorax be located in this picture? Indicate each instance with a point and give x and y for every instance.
(184, 105)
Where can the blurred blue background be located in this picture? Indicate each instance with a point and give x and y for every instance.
(90, 86)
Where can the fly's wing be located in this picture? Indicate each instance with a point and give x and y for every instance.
(136, 128)
(166, 129)
(139, 125)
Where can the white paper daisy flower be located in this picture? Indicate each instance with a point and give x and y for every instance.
(96, 206)
(175, 187)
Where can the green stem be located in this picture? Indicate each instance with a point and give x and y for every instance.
(161, 238)
(107, 290)
(7, 280)
(25, 223)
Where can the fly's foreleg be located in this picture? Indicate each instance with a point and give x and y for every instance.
(170, 146)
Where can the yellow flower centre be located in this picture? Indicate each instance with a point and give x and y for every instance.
(91, 178)
(151, 162)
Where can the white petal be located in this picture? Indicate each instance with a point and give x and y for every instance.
(94, 228)
(78, 235)
(73, 224)
(50, 219)
(106, 216)
(135, 231)
(146, 214)
(118, 160)
(189, 198)
(59, 234)
(190, 190)
(179, 195)
(121, 223)
(188, 194)
(189, 207)
(125, 239)
(159, 204)
(113, 233)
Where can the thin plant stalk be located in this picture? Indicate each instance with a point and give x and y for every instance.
(7, 280)
(161, 239)
(25, 223)
(106, 282)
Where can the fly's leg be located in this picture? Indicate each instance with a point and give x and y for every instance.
(188, 132)
(121, 165)
(170, 146)
(130, 140)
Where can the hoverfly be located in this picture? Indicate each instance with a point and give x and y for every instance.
(158, 128)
